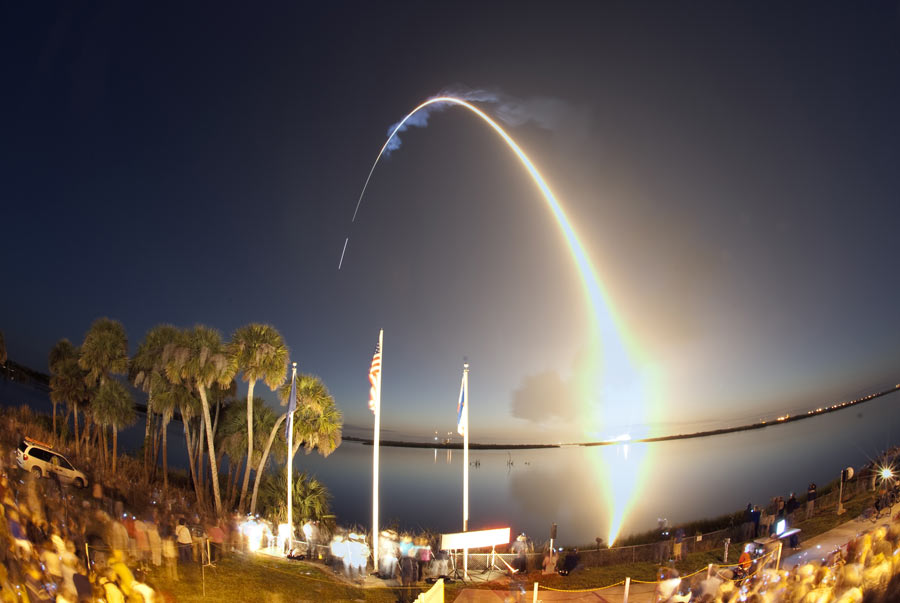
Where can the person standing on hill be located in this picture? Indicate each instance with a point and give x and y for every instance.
(184, 540)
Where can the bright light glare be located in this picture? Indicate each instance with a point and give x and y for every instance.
(254, 533)
(613, 385)
(614, 382)
(887, 473)
(284, 533)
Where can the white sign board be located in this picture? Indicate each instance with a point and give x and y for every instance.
(474, 540)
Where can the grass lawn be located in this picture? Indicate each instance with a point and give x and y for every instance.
(260, 578)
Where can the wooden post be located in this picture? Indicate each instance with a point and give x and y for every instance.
(627, 587)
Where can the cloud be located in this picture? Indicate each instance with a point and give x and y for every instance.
(545, 397)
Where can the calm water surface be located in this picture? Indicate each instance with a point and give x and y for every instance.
(529, 489)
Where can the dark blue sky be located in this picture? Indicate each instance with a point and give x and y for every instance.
(731, 169)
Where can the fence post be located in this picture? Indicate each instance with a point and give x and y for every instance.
(627, 586)
(535, 599)
(725, 557)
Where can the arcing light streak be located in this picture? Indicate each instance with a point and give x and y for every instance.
(618, 381)
(586, 270)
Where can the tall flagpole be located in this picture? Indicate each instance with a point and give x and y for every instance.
(465, 418)
(290, 461)
(375, 440)
(466, 447)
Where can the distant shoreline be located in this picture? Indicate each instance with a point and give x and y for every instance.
(682, 436)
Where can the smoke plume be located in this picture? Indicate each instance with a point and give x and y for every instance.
(548, 113)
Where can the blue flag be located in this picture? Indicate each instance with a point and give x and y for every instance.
(292, 406)
(460, 407)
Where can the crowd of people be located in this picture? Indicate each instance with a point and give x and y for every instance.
(866, 568)
(59, 543)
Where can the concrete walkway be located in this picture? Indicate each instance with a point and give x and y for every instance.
(819, 547)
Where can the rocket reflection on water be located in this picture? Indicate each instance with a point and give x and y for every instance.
(612, 381)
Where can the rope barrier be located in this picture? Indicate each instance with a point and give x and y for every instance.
(580, 590)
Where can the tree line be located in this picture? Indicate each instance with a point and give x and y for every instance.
(191, 372)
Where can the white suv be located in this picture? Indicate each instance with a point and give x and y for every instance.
(38, 458)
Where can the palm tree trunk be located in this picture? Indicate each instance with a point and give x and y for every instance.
(115, 430)
(262, 462)
(77, 443)
(232, 497)
(212, 452)
(201, 473)
(165, 460)
(101, 431)
(250, 385)
(86, 433)
(147, 433)
(228, 483)
(187, 439)
(68, 417)
(154, 452)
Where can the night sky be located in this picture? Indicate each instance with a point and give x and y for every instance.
(732, 169)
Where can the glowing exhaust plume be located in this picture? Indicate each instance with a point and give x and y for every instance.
(613, 378)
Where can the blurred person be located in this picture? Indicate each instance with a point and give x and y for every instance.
(141, 541)
(117, 535)
(423, 557)
(155, 543)
(351, 555)
(676, 546)
(441, 564)
(361, 558)
(520, 550)
(184, 541)
(50, 558)
(667, 585)
(548, 564)
(142, 593)
(216, 540)
(170, 555)
(570, 562)
(338, 549)
(124, 577)
(307, 530)
(408, 568)
(810, 499)
(387, 554)
(111, 591)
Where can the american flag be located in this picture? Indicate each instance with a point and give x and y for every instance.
(374, 376)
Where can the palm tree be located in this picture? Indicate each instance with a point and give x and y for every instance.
(113, 407)
(200, 360)
(147, 371)
(317, 423)
(167, 397)
(2, 349)
(260, 353)
(66, 381)
(311, 499)
(232, 441)
(104, 351)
